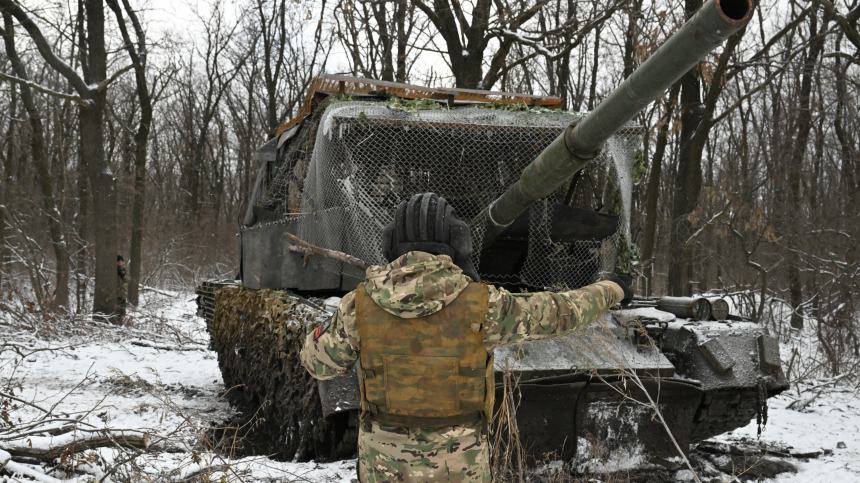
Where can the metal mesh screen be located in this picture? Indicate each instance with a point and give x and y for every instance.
(349, 166)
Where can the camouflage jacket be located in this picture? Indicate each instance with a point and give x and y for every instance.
(419, 284)
(121, 284)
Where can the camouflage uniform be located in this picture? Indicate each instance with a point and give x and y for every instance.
(418, 284)
(121, 291)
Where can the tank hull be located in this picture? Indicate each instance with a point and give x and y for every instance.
(587, 397)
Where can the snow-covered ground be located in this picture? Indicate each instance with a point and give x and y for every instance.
(156, 380)
(832, 419)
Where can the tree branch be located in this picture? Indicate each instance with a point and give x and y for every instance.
(707, 225)
(79, 443)
(45, 49)
(849, 25)
(44, 90)
(844, 56)
(309, 249)
(103, 85)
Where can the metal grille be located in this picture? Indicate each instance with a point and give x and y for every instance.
(347, 168)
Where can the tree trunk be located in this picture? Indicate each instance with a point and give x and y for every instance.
(102, 181)
(592, 92)
(688, 179)
(103, 185)
(793, 218)
(141, 138)
(649, 238)
(630, 39)
(137, 220)
(81, 235)
(696, 124)
(380, 13)
(402, 39)
(849, 174)
(7, 176)
(466, 59)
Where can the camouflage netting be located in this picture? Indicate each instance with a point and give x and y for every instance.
(258, 335)
(350, 164)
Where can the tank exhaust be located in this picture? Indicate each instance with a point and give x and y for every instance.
(582, 141)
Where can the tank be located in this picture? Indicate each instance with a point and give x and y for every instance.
(547, 195)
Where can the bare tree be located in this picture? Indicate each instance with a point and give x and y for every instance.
(91, 90)
(288, 63)
(369, 29)
(218, 74)
(465, 40)
(8, 157)
(37, 140)
(792, 222)
(137, 54)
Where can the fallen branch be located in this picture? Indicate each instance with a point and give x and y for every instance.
(11, 467)
(164, 347)
(309, 249)
(160, 292)
(48, 448)
(803, 403)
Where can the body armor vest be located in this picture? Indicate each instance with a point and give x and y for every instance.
(425, 372)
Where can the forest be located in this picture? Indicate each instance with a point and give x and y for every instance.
(128, 128)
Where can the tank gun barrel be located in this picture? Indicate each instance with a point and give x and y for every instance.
(583, 140)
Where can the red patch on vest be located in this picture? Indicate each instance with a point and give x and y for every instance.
(322, 328)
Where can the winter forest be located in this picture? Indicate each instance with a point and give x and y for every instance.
(129, 127)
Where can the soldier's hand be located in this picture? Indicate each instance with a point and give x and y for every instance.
(622, 281)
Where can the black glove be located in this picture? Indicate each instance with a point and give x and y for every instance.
(623, 281)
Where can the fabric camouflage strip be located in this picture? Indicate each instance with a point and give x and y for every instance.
(258, 336)
(457, 454)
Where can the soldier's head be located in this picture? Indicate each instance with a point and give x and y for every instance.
(119, 260)
(427, 223)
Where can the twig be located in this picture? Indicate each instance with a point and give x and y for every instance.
(9, 396)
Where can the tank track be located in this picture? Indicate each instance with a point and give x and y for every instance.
(206, 297)
(723, 410)
(295, 431)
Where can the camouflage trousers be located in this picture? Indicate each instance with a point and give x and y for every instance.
(121, 303)
(458, 454)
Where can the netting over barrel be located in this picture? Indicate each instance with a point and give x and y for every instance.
(347, 168)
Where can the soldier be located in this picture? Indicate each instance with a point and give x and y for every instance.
(423, 330)
(121, 288)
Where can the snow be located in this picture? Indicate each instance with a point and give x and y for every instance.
(834, 418)
(651, 313)
(535, 45)
(331, 304)
(156, 377)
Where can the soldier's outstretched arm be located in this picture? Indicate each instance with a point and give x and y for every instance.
(529, 317)
(332, 348)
